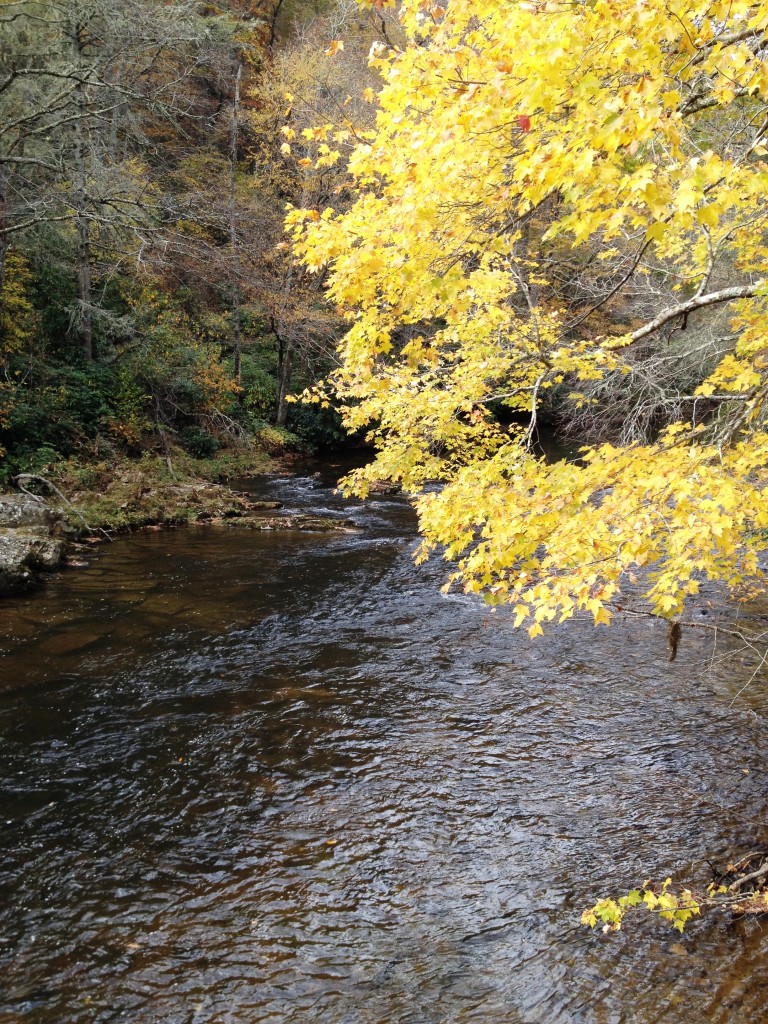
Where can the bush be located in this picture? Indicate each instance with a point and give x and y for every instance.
(55, 409)
(276, 439)
(320, 429)
(199, 442)
(259, 391)
(29, 460)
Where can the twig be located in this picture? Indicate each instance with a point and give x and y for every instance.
(743, 861)
(760, 873)
(623, 610)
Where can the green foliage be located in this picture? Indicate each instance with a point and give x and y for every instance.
(259, 391)
(320, 429)
(54, 295)
(199, 442)
(55, 410)
(17, 323)
(226, 464)
(131, 421)
(671, 907)
(40, 460)
(178, 358)
(276, 439)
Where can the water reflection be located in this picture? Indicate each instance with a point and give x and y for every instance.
(259, 777)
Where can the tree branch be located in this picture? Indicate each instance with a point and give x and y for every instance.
(746, 291)
(29, 160)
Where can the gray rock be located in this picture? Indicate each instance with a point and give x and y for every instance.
(21, 511)
(384, 487)
(30, 542)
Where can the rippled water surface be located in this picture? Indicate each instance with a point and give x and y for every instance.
(258, 777)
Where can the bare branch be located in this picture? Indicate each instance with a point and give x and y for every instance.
(747, 291)
(29, 160)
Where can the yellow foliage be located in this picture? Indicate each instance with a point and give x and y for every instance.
(16, 311)
(17, 321)
(677, 909)
(595, 114)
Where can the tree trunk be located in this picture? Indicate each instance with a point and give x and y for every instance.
(233, 239)
(117, 115)
(85, 318)
(84, 285)
(3, 227)
(163, 437)
(274, 14)
(285, 369)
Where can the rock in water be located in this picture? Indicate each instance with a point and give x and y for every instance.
(312, 524)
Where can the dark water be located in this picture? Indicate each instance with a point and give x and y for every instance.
(279, 778)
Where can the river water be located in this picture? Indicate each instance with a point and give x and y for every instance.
(258, 777)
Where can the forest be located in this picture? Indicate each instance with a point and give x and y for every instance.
(150, 308)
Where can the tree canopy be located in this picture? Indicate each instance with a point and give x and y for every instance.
(550, 188)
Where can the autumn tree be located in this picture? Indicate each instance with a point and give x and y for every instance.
(518, 147)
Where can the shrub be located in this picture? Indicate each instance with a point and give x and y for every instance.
(199, 442)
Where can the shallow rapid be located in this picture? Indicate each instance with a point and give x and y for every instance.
(279, 777)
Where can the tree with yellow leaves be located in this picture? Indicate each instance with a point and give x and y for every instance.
(534, 168)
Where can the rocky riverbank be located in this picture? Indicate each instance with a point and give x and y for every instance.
(37, 537)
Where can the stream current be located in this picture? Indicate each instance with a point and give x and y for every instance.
(279, 777)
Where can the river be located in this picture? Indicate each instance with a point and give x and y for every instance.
(279, 777)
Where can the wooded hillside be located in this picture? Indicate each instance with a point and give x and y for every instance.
(147, 301)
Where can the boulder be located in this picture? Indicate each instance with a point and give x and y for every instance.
(31, 542)
(384, 487)
(21, 511)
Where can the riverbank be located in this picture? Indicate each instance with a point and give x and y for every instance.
(151, 491)
(49, 515)
(45, 526)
